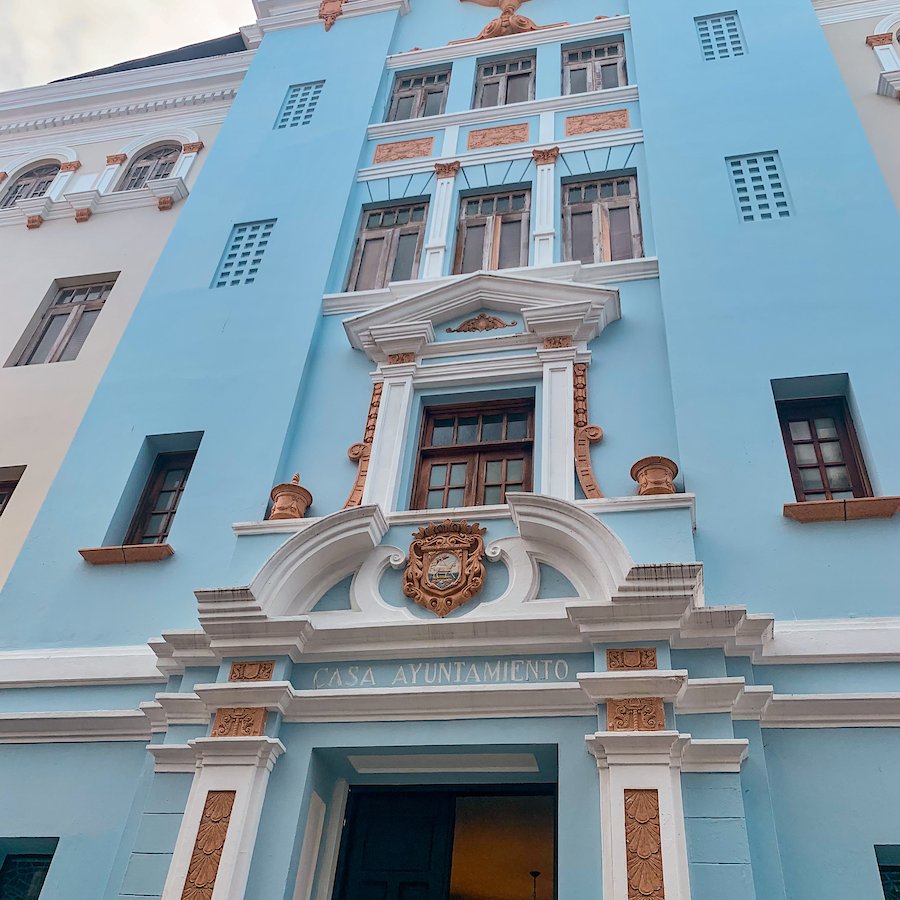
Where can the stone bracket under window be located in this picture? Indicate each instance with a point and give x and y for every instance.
(842, 510)
(127, 553)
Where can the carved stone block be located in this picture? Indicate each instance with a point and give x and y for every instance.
(631, 658)
(239, 721)
(207, 855)
(545, 157)
(116, 159)
(195, 147)
(447, 170)
(73, 166)
(562, 342)
(398, 150)
(643, 846)
(636, 714)
(83, 214)
(613, 120)
(880, 40)
(654, 475)
(33, 222)
(165, 203)
(252, 671)
(481, 138)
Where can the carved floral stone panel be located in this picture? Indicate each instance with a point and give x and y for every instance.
(631, 658)
(239, 721)
(636, 714)
(445, 567)
(252, 671)
(207, 855)
(613, 120)
(643, 846)
(481, 138)
(398, 150)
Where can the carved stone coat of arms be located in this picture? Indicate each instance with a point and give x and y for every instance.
(446, 566)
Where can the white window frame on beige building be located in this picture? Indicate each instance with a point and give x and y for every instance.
(44, 205)
(888, 56)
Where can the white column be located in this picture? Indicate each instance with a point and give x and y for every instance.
(111, 173)
(544, 220)
(558, 423)
(66, 171)
(186, 160)
(439, 220)
(389, 442)
(641, 761)
(236, 764)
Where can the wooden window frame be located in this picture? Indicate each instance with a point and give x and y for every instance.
(151, 168)
(418, 93)
(162, 465)
(390, 235)
(593, 66)
(475, 455)
(501, 79)
(30, 185)
(493, 223)
(74, 311)
(599, 209)
(835, 408)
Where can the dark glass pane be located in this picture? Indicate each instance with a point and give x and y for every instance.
(831, 452)
(22, 876)
(806, 454)
(442, 434)
(433, 101)
(156, 524)
(418, 214)
(52, 331)
(606, 189)
(502, 204)
(620, 246)
(578, 81)
(492, 428)
(367, 277)
(590, 192)
(404, 108)
(609, 76)
(623, 188)
(467, 430)
(838, 478)
(811, 479)
(518, 202)
(175, 478)
(435, 499)
(825, 428)
(166, 501)
(493, 472)
(515, 469)
(510, 244)
(800, 431)
(516, 426)
(438, 477)
(458, 474)
(583, 237)
(473, 248)
(79, 336)
(373, 220)
(490, 95)
(405, 258)
(403, 216)
(493, 495)
(456, 497)
(517, 88)
(473, 207)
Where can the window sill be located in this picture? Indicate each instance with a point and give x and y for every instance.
(129, 553)
(842, 510)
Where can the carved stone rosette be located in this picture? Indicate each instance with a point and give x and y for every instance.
(585, 435)
(631, 658)
(360, 453)
(290, 500)
(654, 475)
(204, 865)
(636, 714)
(239, 721)
(252, 671)
(481, 322)
(445, 567)
(643, 846)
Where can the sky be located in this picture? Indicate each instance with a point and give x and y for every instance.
(42, 41)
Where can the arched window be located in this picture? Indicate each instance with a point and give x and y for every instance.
(150, 165)
(33, 183)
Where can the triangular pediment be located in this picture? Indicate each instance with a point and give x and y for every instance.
(546, 308)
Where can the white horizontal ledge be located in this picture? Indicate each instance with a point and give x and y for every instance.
(606, 506)
(73, 727)
(71, 666)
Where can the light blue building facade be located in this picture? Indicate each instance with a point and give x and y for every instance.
(552, 256)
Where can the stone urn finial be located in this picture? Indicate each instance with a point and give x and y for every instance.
(654, 475)
(290, 500)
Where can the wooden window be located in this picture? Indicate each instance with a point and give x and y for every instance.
(65, 325)
(506, 81)
(6, 491)
(33, 183)
(601, 220)
(473, 455)
(822, 449)
(149, 166)
(418, 95)
(153, 519)
(22, 875)
(493, 232)
(594, 68)
(389, 246)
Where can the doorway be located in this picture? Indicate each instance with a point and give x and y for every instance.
(454, 843)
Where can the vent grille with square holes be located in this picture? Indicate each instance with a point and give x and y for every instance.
(759, 187)
(299, 104)
(720, 36)
(243, 253)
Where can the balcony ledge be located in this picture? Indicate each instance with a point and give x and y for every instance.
(842, 510)
(129, 553)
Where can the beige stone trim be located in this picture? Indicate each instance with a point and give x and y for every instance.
(612, 120)
(498, 136)
(403, 150)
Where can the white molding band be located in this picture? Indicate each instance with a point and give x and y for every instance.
(71, 666)
(831, 12)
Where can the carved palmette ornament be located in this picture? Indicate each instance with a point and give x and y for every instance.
(445, 567)
(643, 846)
(204, 865)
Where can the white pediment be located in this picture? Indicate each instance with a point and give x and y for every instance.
(547, 308)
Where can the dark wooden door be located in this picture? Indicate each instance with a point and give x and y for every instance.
(397, 846)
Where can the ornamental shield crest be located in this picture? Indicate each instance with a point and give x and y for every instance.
(446, 566)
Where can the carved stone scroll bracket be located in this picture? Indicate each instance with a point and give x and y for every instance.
(329, 11)
(585, 435)
(239, 721)
(360, 452)
(636, 714)
(643, 846)
(207, 854)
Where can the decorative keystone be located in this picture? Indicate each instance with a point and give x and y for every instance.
(880, 40)
(654, 475)
(290, 500)
(196, 147)
(70, 166)
(116, 159)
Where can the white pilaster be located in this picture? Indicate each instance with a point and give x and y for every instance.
(544, 220)
(558, 424)
(235, 764)
(389, 442)
(108, 177)
(183, 166)
(439, 221)
(641, 761)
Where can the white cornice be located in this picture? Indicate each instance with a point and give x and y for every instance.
(78, 666)
(831, 12)
(609, 97)
(595, 28)
(681, 751)
(73, 727)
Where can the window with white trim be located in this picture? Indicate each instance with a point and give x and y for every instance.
(417, 95)
(151, 165)
(505, 81)
(602, 220)
(493, 231)
(594, 68)
(31, 184)
(389, 246)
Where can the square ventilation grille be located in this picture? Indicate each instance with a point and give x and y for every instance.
(720, 36)
(759, 187)
(299, 104)
(243, 254)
